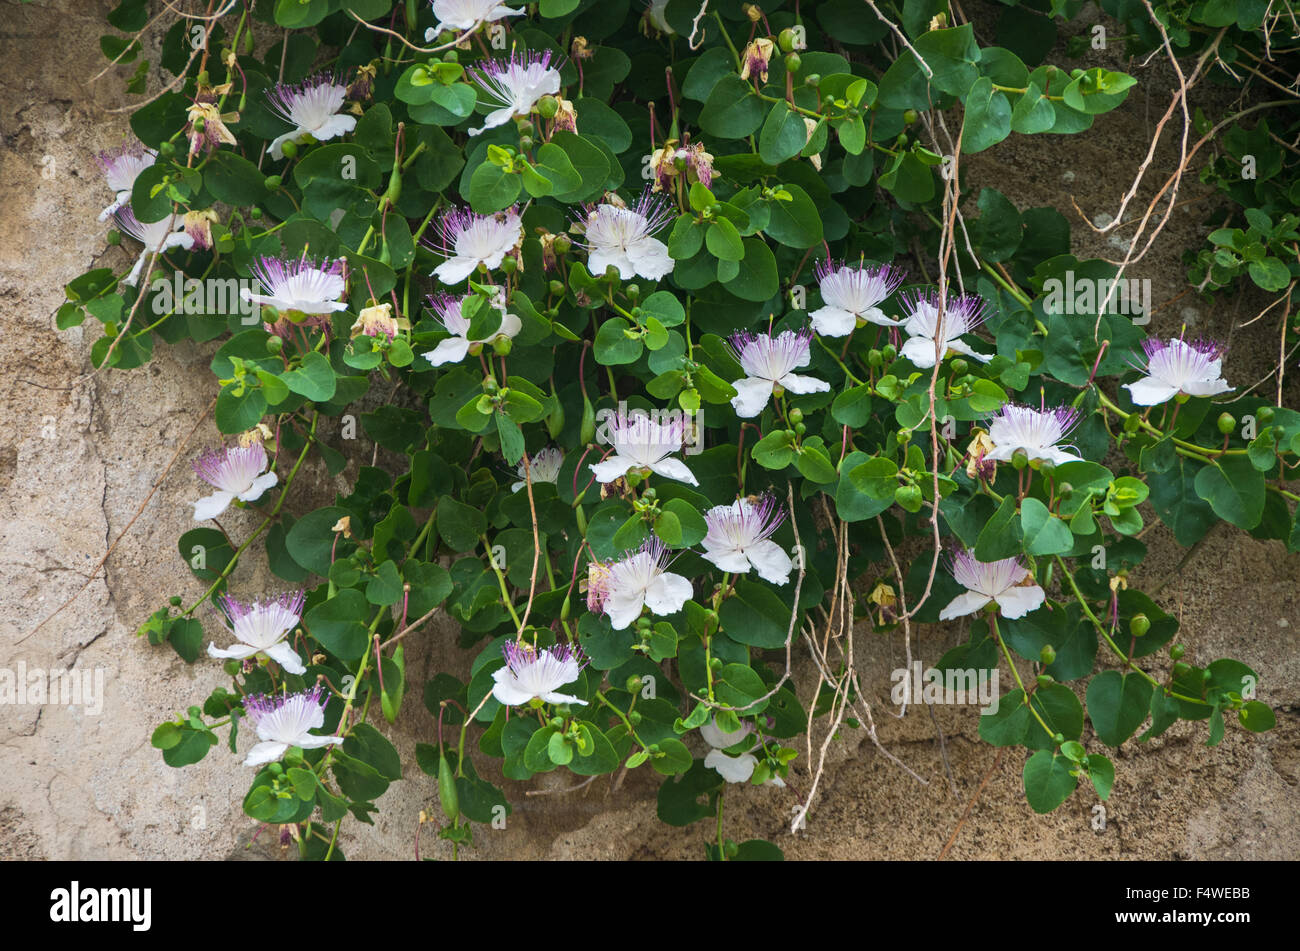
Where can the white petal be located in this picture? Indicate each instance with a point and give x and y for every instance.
(334, 126)
(554, 697)
(451, 350)
(751, 396)
(259, 486)
(602, 258)
(1149, 391)
(623, 608)
(212, 506)
(920, 350)
(798, 383)
(650, 258)
(284, 655)
(729, 559)
(734, 769)
(1020, 600)
(495, 118)
(832, 321)
(961, 347)
(674, 469)
(612, 468)
(505, 690)
(454, 270)
(265, 753)
(277, 150)
(309, 742)
(238, 651)
(877, 316)
(1206, 387)
(668, 593)
(964, 604)
(770, 561)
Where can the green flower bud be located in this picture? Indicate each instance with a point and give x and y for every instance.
(166, 149)
(889, 353)
(633, 684)
(1139, 625)
(274, 344)
(792, 62)
(1177, 651)
(562, 244)
(800, 429)
(634, 717)
(1264, 414)
(556, 288)
(715, 663)
(1046, 680)
(874, 359)
(785, 40)
(547, 106)
(525, 142)
(272, 182)
(175, 600)
(1181, 669)
(1047, 655)
(501, 346)
(611, 274)
(255, 212)
(1226, 423)
(289, 149)
(813, 79)
(1019, 459)
(959, 366)
(910, 116)
(509, 264)
(633, 291)
(796, 415)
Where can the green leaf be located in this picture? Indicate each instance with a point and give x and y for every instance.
(315, 379)
(1117, 705)
(1235, 490)
(723, 240)
(1048, 782)
(755, 616)
(757, 279)
(987, 119)
(460, 525)
(337, 624)
(1044, 533)
(783, 135)
(732, 110)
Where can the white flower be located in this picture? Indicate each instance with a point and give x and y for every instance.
(1193, 367)
(720, 740)
(465, 15)
(738, 539)
(467, 240)
(642, 442)
(121, 167)
(734, 769)
(654, 12)
(961, 315)
(449, 314)
(301, 285)
(1036, 431)
(312, 108)
(515, 85)
(769, 363)
(623, 237)
(544, 466)
(283, 721)
(156, 236)
(996, 582)
(639, 580)
(261, 627)
(851, 296)
(532, 674)
(236, 473)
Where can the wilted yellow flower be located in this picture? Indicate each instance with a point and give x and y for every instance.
(207, 129)
(882, 595)
(378, 320)
(977, 466)
(566, 117)
(755, 59)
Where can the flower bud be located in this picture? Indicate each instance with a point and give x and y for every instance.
(1139, 625)
(1047, 656)
(1226, 424)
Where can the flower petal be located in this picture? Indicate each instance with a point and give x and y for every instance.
(451, 350)
(238, 651)
(668, 593)
(284, 655)
(770, 561)
(798, 383)
(650, 258)
(1020, 600)
(265, 753)
(832, 321)
(1149, 391)
(964, 604)
(624, 607)
(751, 396)
(259, 486)
(674, 469)
(612, 468)
(729, 559)
(212, 506)
(734, 769)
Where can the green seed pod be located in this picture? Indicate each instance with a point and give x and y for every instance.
(1139, 625)
(555, 421)
(1226, 423)
(447, 794)
(248, 43)
(587, 432)
(289, 149)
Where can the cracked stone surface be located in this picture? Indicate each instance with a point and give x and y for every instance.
(82, 450)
